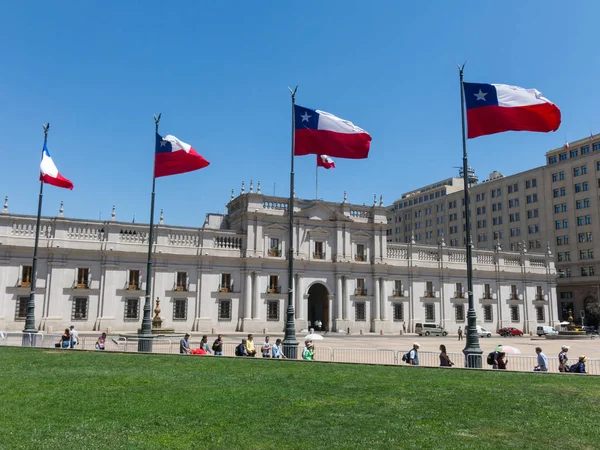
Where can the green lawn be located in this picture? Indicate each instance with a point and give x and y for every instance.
(80, 400)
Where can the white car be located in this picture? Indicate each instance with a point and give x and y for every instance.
(482, 332)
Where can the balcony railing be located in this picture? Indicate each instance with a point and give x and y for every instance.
(429, 294)
(487, 296)
(24, 283)
(398, 293)
(226, 287)
(360, 291)
(459, 295)
(540, 297)
(274, 252)
(319, 255)
(133, 286)
(360, 257)
(274, 290)
(514, 296)
(80, 285)
(181, 287)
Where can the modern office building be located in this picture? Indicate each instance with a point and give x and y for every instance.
(231, 274)
(555, 206)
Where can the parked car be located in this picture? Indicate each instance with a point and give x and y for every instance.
(543, 330)
(510, 331)
(428, 329)
(482, 332)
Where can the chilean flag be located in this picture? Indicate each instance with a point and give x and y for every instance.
(495, 108)
(174, 156)
(49, 173)
(318, 132)
(325, 162)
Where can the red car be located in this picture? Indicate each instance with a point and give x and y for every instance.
(510, 331)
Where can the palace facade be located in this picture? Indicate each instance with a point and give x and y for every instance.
(231, 274)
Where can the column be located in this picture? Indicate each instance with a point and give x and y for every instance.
(338, 298)
(384, 296)
(256, 298)
(248, 296)
(376, 299)
(346, 299)
(300, 314)
(198, 293)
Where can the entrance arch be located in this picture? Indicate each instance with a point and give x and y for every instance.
(318, 306)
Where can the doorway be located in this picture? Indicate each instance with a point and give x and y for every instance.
(318, 307)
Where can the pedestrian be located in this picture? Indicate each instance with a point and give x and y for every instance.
(65, 339)
(502, 363)
(542, 361)
(101, 342)
(444, 358)
(217, 346)
(241, 349)
(74, 334)
(266, 348)
(308, 353)
(563, 358)
(277, 352)
(460, 333)
(250, 350)
(184, 345)
(403, 327)
(204, 345)
(580, 366)
(413, 355)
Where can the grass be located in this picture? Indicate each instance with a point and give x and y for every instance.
(71, 399)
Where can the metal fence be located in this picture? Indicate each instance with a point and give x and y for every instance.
(520, 363)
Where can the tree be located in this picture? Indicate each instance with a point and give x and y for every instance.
(592, 311)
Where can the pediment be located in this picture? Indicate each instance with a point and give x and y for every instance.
(319, 231)
(275, 228)
(319, 211)
(360, 234)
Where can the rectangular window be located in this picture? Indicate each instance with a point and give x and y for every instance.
(273, 311)
(319, 250)
(360, 287)
(224, 310)
(274, 247)
(226, 284)
(274, 287)
(429, 289)
(585, 150)
(360, 252)
(429, 312)
(573, 153)
(488, 313)
(82, 278)
(360, 312)
(25, 276)
(181, 282)
(540, 314)
(79, 309)
(398, 312)
(539, 293)
(21, 307)
(562, 156)
(487, 291)
(132, 309)
(552, 159)
(180, 309)
(398, 288)
(513, 292)
(458, 293)
(459, 313)
(514, 313)
(134, 280)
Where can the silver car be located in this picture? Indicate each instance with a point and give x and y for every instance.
(430, 329)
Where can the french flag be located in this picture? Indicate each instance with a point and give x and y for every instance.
(174, 156)
(495, 108)
(318, 133)
(325, 161)
(49, 173)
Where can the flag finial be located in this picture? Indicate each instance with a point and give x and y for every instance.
(113, 214)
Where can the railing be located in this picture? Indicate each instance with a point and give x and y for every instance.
(487, 296)
(274, 290)
(397, 253)
(275, 252)
(428, 255)
(181, 287)
(183, 240)
(459, 295)
(360, 291)
(228, 242)
(275, 205)
(429, 294)
(358, 213)
(319, 255)
(133, 236)
(360, 257)
(86, 233)
(397, 293)
(226, 287)
(457, 256)
(514, 296)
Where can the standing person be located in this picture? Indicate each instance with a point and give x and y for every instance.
(502, 363)
(308, 353)
(460, 333)
(217, 346)
(413, 355)
(204, 344)
(444, 358)
(101, 342)
(74, 334)
(403, 327)
(277, 352)
(563, 358)
(266, 348)
(241, 349)
(65, 339)
(250, 350)
(184, 345)
(542, 361)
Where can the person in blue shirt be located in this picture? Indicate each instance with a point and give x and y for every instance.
(542, 361)
(184, 345)
(413, 355)
(276, 350)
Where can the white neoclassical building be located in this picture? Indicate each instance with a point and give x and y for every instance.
(232, 273)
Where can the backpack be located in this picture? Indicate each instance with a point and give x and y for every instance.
(491, 358)
(406, 358)
(238, 350)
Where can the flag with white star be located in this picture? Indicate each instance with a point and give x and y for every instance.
(174, 156)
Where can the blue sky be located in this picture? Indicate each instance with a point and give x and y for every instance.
(219, 71)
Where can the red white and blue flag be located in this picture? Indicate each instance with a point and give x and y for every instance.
(325, 161)
(49, 173)
(174, 156)
(495, 108)
(319, 132)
